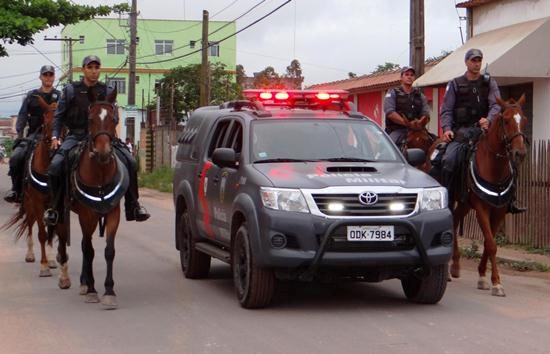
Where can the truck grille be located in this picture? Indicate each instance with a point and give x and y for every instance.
(338, 242)
(352, 206)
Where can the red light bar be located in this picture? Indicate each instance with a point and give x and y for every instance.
(312, 99)
(266, 95)
(281, 95)
(322, 96)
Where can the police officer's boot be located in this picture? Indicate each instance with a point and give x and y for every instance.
(54, 214)
(14, 195)
(134, 211)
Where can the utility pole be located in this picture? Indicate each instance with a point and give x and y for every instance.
(416, 33)
(69, 42)
(205, 75)
(132, 55)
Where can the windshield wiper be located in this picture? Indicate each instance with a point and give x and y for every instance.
(283, 159)
(346, 159)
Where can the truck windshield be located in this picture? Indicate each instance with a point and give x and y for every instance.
(320, 140)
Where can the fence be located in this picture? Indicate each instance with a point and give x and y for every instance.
(531, 228)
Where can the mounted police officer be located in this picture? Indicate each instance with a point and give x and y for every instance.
(404, 105)
(470, 101)
(30, 114)
(72, 112)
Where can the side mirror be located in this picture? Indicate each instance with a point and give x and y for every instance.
(224, 157)
(415, 157)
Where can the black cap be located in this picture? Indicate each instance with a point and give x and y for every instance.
(407, 68)
(473, 53)
(91, 59)
(47, 69)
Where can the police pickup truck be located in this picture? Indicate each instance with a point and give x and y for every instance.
(298, 185)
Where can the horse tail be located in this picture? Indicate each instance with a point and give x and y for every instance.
(23, 223)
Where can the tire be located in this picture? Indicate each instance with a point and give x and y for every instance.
(254, 286)
(194, 264)
(427, 290)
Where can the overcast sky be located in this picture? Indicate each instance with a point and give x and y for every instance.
(329, 37)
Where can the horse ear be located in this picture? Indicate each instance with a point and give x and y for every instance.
(111, 97)
(501, 102)
(521, 100)
(42, 103)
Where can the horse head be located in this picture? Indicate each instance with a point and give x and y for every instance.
(418, 136)
(102, 126)
(511, 125)
(48, 116)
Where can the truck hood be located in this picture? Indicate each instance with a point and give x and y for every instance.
(317, 175)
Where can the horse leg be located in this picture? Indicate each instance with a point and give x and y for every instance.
(497, 218)
(62, 257)
(29, 257)
(88, 224)
(489, 246)
(112, 220)
(43, 238)
(459, 211)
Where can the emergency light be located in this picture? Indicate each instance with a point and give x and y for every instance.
(313, 99)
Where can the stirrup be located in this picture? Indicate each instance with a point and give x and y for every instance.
(141, 214)
(51, 217)
(514, 209)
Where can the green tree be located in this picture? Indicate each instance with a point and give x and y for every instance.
(20, 20)
(186, 82)
(240, 74)
(267, 78)
(352, 75)
(294, 74)
(386, 67)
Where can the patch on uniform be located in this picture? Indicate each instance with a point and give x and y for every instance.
(388, 94)
(447, 88)
(54, 96)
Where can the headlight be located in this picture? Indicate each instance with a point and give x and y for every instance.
(284, 199)
(434, 199)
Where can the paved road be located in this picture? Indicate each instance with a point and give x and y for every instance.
(161, 312)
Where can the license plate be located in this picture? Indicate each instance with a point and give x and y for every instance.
(370, 233)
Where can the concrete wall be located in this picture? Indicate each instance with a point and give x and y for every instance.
(541, 109)
(508, 12)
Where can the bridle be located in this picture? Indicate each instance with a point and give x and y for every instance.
(507, 140)
(92, 137)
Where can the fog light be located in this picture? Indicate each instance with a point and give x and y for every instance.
(278, 241)
(446, 238)
(336, 206)
(397, 206)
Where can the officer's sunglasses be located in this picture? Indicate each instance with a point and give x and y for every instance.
(47, 74)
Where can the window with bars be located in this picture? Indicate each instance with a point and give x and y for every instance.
(115, 46)
(163, 47)
(119, 82)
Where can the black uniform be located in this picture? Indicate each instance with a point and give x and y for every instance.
(410, 105)
(30, 114)
(72, 112)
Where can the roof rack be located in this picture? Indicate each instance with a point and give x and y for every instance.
(238, 105)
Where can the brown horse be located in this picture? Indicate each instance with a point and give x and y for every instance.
(492, 174)
(35, 194)
(97, 185)
(419, 137)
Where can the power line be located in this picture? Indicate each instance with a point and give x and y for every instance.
(17, 75)
(223, 39)
(45, 56)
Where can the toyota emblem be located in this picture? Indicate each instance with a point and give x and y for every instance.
(368, 198)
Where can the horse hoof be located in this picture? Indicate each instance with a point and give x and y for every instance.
(449, 277)
(29, 258)
(64, 283)
(92, 298)
(52, 264)
(83, 289)
(45, 273)
(483, 284)
(109, 302)
(498, 290)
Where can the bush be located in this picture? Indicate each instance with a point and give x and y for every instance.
(160, 179)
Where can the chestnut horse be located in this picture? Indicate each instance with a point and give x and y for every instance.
(418, 137)
(490, 185)
(97, 185)
(35, 193)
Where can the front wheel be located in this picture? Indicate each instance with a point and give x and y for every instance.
(254, 286)
(194, 264)
(427, 290)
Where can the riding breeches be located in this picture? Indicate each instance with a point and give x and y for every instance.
(17, 159)
(57, 165)
(132, 194)
(398, 136)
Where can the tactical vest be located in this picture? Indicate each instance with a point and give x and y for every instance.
(35, 113)
(472, 101)
(408, 105)
(78, 102)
